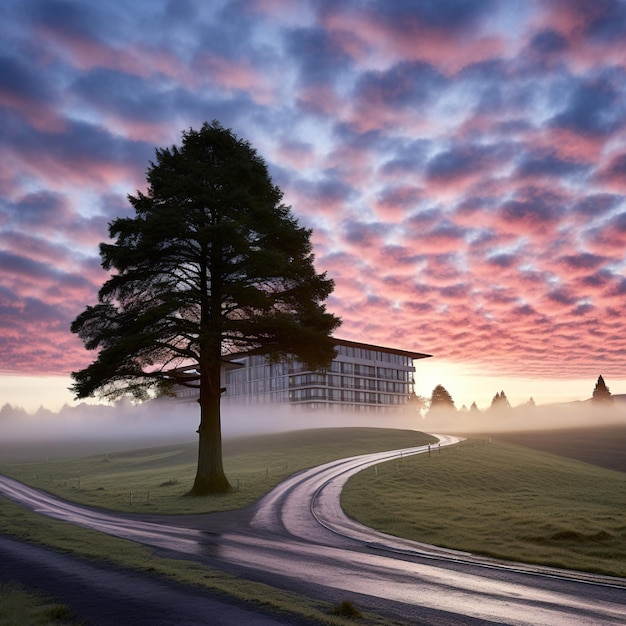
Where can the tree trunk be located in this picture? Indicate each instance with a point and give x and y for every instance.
(210, 477)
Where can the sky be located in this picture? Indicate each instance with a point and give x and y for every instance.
(461, 163)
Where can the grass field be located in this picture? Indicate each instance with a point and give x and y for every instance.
(501, 500)
(604, 446)
(259, 463)
(496, 498)
(27, 608)
(157, 480)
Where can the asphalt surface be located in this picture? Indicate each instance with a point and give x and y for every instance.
(298, 538)
(101, 595)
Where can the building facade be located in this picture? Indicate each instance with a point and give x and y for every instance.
(362, 377)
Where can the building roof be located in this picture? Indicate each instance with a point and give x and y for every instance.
(353, 344)
(369, 346)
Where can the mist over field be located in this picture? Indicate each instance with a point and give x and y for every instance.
(581, 414)
(90, 429)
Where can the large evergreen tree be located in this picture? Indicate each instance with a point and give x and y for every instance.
(211, 264)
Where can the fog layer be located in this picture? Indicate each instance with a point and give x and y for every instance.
(89, 429)
(583, 414)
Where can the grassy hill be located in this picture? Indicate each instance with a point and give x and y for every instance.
(604, 446)
(493, 498)
(156, 480)
(501, 500)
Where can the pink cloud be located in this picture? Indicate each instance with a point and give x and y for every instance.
(613, 174)
(297, 154)
(372, 112)
(87, 53)
(40, 115)
(76, 171)
(441, 238)
(394, 203)
(410, 40)
(569, 145)
(442, 270)
(609, 238)
(235, 75)
(321, 100)
(579, 264)
(596, 285)
(572, 20)
(529, 216)
(323, 200)
(354, 165)
(152, 132)
(278, 10)
(55, 349)
(35, 248)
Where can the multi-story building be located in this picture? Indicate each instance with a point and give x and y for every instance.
(362, 377)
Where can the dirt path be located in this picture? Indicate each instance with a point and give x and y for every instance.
(105, 596)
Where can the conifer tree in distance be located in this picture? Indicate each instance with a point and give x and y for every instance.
(441, 400)
(500, 402)
(601, 393)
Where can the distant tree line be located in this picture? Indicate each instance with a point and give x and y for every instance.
(441, 400)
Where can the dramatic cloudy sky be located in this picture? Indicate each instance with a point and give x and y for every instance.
(462, 164)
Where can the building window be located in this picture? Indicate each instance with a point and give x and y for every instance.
(347, 368)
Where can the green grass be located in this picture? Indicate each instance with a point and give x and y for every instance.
(495, 499)
(259, 462)
(500, 500)
(157, 480)
(603, 446)
(19, 607)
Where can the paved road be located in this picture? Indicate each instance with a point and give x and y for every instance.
(109, 596)
(298, 538)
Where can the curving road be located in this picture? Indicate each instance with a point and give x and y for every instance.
(298, 538)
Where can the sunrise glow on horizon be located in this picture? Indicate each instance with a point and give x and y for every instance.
(462, 165)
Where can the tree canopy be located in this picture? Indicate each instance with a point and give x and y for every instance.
(211, 264)
(441, 399)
